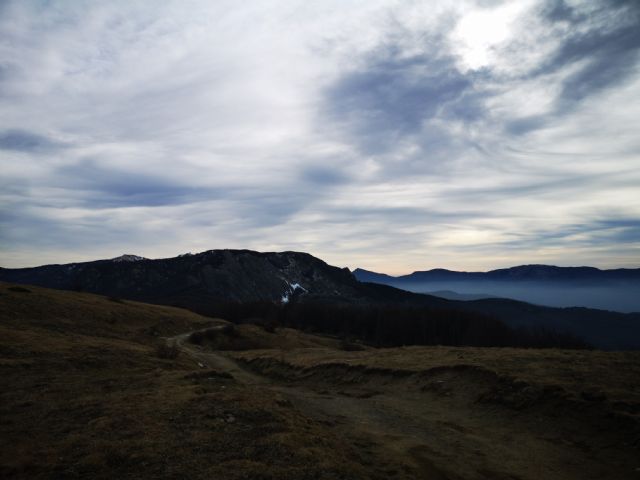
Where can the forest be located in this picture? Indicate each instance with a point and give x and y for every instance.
(393, 326)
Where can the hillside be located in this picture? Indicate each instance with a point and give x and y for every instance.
(86, 393)
(207, 281)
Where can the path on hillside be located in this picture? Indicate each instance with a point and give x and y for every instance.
(377, 428)
(212, 359)
(393, 425)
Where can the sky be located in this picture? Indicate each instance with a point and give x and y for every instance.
(388, 135)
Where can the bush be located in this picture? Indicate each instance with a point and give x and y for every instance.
(166, 351)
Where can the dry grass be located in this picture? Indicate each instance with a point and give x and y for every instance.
(254, 337)
(84, 393)
(616, 375)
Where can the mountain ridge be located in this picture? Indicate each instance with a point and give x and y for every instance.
(614, 289)
(199, 281)
(518, 272)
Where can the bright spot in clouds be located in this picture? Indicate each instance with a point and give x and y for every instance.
(479, 32)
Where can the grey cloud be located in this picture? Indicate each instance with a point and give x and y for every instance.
(559, 11)
(324, 176)
(396, 216)
(24, 227)
(25, 141)
(608, 233)
(519, 126)
(599, 40)
(606, 39)
(621, 230)
(268, 209)
(101, 187)
(4, 72)
(392, 95)
(223, 138)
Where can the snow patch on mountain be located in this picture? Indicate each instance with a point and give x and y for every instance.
(291, 289)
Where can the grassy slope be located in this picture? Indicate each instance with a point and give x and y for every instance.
(83, 394)
(475, 412)
(613, 377)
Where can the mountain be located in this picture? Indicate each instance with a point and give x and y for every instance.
(533, 273)
(215, 275)
(521, 273)
(200, 281)
(368, 276)
(617, 289)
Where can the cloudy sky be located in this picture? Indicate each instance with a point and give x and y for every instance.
(389, 135)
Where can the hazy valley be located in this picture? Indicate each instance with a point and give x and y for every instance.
(616, 290)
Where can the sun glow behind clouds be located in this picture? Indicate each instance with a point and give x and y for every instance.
(478, 32)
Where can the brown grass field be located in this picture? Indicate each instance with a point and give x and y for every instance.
(86, 392)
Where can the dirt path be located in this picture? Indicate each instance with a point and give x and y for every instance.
(443, 436)
(214, 360)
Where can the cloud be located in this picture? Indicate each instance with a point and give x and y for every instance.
(393, 95)
(601, 40)
(25, 141)
(377, 137)
(324, 176)
(102, 187)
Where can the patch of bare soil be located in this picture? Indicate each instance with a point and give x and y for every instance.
(463, 420)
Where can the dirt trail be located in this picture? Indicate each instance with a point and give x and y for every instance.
(410, 433)
(211, 359)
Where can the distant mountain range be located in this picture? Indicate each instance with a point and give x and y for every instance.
(197, 281)
(549, 273)
(617, 290)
